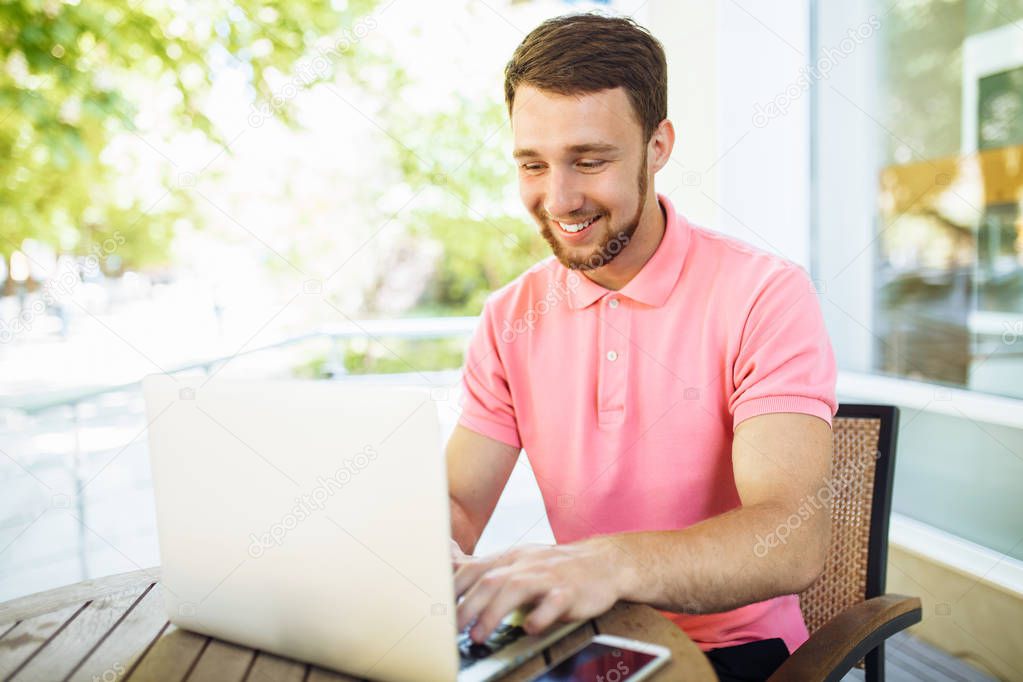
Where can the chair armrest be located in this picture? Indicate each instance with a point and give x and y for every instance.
(840, 643)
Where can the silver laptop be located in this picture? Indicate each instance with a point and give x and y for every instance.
(310, 519)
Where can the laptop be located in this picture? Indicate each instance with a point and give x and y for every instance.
(310, 519)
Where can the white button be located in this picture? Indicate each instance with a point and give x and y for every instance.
(613, 303)
(612, 356)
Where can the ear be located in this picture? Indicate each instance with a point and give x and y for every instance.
(660, 145)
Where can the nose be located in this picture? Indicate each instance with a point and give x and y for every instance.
(562, 197)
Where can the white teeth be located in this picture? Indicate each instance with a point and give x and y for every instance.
(578, 226)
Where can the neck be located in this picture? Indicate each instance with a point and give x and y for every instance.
(637, 252)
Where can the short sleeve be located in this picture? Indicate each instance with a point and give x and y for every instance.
(487, 405)
(785, 362)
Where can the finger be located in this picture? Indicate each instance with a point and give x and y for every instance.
(468, 572)
(555, 604)
(520, 589)
(479, 595)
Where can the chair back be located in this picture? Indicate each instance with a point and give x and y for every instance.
(860, 489)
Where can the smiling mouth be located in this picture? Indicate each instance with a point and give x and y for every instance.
(576, 228)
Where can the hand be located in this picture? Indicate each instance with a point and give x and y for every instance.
(564, 583)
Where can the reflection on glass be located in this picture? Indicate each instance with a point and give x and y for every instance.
(1000, 109)
(950, 261)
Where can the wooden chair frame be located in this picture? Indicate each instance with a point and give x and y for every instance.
(859, 632)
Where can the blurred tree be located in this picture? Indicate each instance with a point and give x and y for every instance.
(65, 74)
(456, 160)
(61, 65)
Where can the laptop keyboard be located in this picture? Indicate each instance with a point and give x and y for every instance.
(470, 651)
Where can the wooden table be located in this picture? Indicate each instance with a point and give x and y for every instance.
(115, 628)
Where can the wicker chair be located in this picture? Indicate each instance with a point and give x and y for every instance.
(846, 611)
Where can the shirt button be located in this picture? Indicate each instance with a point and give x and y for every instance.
(612, 356)
(613, 303)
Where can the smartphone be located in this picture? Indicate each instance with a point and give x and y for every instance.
(606, 658)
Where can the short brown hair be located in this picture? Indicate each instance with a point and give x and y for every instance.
(584, 53)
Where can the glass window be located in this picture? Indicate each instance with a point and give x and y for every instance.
(917, 153)
(933, 121)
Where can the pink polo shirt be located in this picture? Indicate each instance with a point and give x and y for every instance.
(625, 402)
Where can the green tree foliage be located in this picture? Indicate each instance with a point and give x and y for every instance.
(65, 75)
(464, 167)
(61, 68)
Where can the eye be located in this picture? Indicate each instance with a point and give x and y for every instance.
(531, 167)
(591, 165)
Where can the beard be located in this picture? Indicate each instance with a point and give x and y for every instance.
(613, 241)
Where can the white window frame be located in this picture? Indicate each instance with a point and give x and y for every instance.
(985, 54)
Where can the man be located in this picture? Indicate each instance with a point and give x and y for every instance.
(672, 388)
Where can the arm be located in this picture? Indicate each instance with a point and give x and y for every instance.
(478, 469)
(781, 463)
(775, 543)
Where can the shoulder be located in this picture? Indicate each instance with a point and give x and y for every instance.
(740, 269)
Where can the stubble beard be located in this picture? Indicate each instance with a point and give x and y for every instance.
(613, 243)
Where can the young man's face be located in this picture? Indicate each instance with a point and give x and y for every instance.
(582, 164)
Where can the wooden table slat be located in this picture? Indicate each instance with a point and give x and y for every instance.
(271, 668)
(222, 662)
(170, 658)
(76, 641)
(122, 633)
(31, 605)
(127, 641)
(28, 636)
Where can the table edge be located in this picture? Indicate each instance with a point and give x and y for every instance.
(39, 603)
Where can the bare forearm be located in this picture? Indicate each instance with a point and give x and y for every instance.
(462, 530)
(721, 563)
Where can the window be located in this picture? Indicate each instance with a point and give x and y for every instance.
(919, 143)
(917, 155)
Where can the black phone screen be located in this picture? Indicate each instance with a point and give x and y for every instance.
(598, 663)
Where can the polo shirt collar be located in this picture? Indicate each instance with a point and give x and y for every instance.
(655, 280)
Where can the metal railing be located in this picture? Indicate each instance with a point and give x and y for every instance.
(34, 463)
(374, 330)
